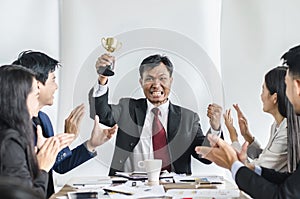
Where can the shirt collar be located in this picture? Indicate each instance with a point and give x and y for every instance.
(163, 107)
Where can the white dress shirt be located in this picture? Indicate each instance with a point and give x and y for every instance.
(144, 148)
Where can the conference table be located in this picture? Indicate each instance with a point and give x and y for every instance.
(168, 188)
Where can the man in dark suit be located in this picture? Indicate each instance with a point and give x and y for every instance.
(135, 140)
(263, 183)
(44, 67)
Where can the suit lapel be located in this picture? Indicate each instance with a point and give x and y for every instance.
(46, 124)
(173, 121)
(140, 114)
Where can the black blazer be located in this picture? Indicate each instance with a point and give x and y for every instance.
(184, 131)
(14, 162)
(270, 184)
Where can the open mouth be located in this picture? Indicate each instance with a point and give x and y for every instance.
(156, 93)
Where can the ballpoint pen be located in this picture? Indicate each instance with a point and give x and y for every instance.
(199, 182)
(116, 191)
(210, 183)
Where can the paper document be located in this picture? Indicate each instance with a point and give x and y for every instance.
(139, 190)
(199, 179)
(90, 183)
(197, 193)
(141, 175)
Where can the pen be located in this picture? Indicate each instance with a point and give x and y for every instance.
(89, 184)
(187, 180)
(192, 180)
(78, 184)
(116, 191)
(210, 183)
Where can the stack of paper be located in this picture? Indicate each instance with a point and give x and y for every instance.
(204, 186)
(139, 190)
(90, 183)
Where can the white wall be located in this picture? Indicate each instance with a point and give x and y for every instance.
(240, 39)
(254, 35)
(29, 25)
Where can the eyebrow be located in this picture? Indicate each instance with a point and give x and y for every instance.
(162, 74)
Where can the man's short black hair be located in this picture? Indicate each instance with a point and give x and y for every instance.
(153, 61)
(292, 60)
(38, 62)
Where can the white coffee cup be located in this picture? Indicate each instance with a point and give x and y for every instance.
(152, 168)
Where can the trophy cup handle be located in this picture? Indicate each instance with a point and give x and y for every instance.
(119, 45)
(103, 42)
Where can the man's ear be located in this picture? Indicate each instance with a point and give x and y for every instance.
(171, 80)
(297, 86)
(39, 84)
(141, 81)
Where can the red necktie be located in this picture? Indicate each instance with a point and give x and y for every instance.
(159, 141)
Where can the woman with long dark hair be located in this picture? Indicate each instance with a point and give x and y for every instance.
(275, 102)
(18, 103)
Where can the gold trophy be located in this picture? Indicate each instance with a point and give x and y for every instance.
(110, 44)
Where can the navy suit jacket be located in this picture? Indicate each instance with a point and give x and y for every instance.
(66, 159)
(183, 132)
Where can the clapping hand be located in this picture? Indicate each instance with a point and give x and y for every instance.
(221, 153)
(243, 124)
(48, 148)
(100, 135)
(72, 123)
(229, 124)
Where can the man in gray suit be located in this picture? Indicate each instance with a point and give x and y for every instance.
(135, 140)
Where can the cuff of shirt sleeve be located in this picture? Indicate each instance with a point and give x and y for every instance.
(235, 167)
(236, 145)
(99, 89)
(62, 155)
(91, 153)
(215, 132)
(257, 170)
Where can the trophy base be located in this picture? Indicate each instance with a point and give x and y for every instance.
(105, 71)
